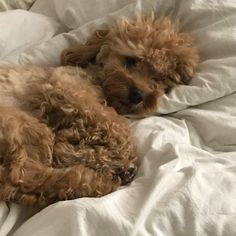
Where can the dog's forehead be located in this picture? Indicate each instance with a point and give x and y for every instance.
(141, 37)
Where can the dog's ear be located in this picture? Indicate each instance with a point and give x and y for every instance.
(177, 56)
(187, 59)
(82, 55)
(185, 56)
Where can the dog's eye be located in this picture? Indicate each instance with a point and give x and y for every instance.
(131, 61)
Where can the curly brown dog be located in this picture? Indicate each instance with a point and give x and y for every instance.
(60, 137)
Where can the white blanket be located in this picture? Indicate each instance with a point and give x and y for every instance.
(186, 184)
(15, 4)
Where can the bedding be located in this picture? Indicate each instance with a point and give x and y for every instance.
(187, 176)
(15, 4)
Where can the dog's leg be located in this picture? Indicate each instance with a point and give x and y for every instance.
(51, 184)
(22, 137)
(13, 151)
(71, 148)
(41, 187)
(11, 193)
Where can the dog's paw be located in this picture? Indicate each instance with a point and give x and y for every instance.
(129, 174)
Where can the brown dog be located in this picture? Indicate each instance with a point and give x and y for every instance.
(58, 138)
(137, 61)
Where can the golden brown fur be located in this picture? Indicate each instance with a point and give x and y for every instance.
(58, 138)
(146, 54)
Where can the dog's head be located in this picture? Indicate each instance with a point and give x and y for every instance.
(138, 61)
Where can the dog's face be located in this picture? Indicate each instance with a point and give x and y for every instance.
(139, 60)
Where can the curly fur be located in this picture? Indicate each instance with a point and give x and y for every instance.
(60, 138)
(148, 54)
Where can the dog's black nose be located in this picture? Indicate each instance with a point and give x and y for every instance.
(135, 96)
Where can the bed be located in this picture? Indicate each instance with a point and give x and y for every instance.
(187, 177)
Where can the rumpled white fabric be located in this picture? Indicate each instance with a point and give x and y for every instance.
(187, 177)
(15, 4)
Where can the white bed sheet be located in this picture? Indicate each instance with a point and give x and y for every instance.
(186, 181)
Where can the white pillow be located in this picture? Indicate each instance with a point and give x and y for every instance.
(21, 31)
(74, 13)
(15, 4)
(213, 24)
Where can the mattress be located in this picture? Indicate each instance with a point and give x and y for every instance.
(186, 182)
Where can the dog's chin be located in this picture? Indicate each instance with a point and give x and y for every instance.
(139, 110)
(121, 107)
(120, 102)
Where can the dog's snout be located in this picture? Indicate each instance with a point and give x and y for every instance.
(135, 96)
